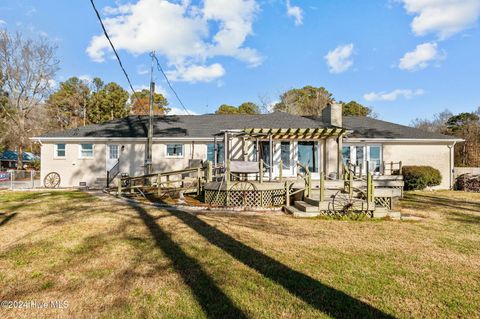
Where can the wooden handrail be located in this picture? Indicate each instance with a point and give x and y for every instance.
(169, 173)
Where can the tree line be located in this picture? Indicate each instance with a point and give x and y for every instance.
(308, 100)
(465, 125)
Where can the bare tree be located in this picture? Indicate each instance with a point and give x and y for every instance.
(28, 69)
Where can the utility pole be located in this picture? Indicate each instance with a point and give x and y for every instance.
(148, 160)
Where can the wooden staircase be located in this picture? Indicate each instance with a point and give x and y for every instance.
(337, 197)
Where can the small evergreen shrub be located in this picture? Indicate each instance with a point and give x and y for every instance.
(420, 177)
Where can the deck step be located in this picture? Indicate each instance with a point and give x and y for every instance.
(298, 213)
(305, 207)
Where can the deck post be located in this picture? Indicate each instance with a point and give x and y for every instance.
(199, 181)
(287, 194)
(208, 172)
(370, 191)
(400, 168)
(227, 181)
(350, 184)
(261, 170)
(309, 183)
(159, 181)
(322, 187)
(280, 170)
(119, 192)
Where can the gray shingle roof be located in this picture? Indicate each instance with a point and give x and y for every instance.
(209, 124)
(365, 127)
(188, 125)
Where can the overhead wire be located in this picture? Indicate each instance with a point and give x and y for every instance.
(169, 84)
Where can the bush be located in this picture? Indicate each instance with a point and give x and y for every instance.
(420, 177)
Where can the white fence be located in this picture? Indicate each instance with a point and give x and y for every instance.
(19, 179)
(465, 170)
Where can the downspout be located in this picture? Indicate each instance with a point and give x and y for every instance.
(451, 171)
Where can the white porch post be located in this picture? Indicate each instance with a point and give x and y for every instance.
(339, 156)
(225, 146)
(215, 150)
(270, 169)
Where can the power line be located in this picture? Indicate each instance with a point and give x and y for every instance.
(169, 84)
(113, 47)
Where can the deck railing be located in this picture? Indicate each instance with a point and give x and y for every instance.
(112, 173)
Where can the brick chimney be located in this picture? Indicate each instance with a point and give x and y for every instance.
(332, 114)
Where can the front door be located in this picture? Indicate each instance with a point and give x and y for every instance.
(112, 156)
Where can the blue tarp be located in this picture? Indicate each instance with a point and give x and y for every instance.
(9, 155)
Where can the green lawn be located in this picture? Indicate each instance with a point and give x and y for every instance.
(112, 259)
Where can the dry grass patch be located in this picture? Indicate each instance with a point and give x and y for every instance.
(111, 259)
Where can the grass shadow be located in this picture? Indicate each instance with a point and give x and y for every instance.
(415, 199)
(7, 218)
(464, 218)
(320, 296)
(214, 302)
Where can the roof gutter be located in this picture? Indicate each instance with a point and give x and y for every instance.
(399, 140)
(118, 139)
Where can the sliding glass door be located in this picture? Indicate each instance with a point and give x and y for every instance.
(308, 155)
(361, 154)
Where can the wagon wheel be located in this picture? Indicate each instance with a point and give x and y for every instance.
(346, 203)
(52, 180)
(243, 188)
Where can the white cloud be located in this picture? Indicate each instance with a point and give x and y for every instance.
(181, 32)
(295, 12)
(442, 17)
(197, 73)
(177, 111)
(393, 95)
(3, 22)
(421, 57)
(340, 59)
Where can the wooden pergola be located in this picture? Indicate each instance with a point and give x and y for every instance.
(295, 133)
(282, 134)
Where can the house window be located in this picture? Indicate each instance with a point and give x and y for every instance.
(86, 150)
(211, 153)
(285, 154)
(113, 151)
(374, 158)
(346, 155)
(174, 150)
(60, 150)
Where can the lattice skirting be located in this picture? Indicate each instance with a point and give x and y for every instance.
(384, 202)
(254, 198)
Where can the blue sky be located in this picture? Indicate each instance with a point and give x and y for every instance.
(404, 58)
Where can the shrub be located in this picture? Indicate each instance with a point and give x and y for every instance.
(420, 177)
